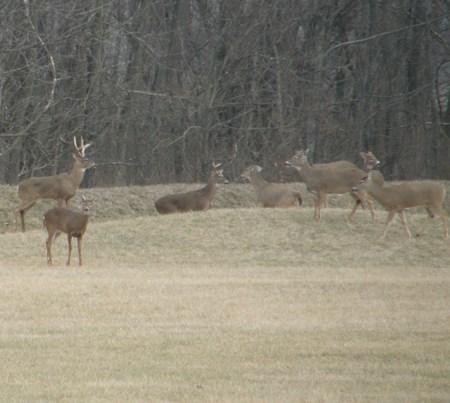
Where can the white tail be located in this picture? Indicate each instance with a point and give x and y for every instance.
(71, 222)
(60, 187)
(323, 179)
(271, 194)
(196, 200)
(397, 197)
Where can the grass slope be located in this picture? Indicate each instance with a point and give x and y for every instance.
(234, 304)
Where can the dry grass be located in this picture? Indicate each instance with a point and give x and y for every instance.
(235, 304)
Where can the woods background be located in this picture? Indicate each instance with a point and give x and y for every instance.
(163, 87)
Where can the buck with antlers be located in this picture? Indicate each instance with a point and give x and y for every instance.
(322, 180)
(60, 187)
(71, 222)
(271, 194)
(397, 197)
(196, 200)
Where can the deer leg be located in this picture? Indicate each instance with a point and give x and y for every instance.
(358, 201)
(49, 249)
(430, 216)
(388, 222)
(403, 218)
(444, 221)
(79, 250)
(69, 239)
(21, 209)
(316, 201)
(372, 211)
(320, 198)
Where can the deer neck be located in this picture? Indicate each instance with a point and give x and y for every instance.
(257, 180)
(77, 173)
(307, 169)
(377, 192)
(210, 188)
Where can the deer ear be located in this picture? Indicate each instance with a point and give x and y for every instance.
(83, 198)
(362, 154)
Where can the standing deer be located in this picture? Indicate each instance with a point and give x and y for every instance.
(397, 197)
(323, 180)
(60, 187)
(196, 200)
(271, 194)
(71, 222)
(369, 163)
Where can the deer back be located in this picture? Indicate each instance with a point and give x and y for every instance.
(407, 194)
(66, 220)
(195, 200)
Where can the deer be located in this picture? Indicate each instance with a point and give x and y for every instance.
(396, 198)
(196, 200)
(369, 163)
(322, 180)
(71, 222)
(271, 194)
(61, 188)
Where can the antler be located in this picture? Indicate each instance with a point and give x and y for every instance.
(81, 148)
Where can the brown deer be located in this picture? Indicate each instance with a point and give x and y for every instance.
(60, 187)
(369, 163)
(322, 180)
(397, 197)
(196, 200)
(271, 194)
(71, 222)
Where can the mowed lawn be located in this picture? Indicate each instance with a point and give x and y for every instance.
(244, 304)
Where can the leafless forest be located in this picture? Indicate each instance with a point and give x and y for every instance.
(163, 87)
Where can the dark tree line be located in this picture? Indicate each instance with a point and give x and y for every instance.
(164, 87)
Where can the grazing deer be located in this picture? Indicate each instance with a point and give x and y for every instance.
(196, 200)
(60, 187)
(271, 194)
(71, 222)
(397, 197)
(322, 180)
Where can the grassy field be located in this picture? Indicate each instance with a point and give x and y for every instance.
(235, 304)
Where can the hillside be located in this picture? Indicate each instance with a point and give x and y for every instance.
(136, 201)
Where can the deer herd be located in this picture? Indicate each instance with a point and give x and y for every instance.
(339, 177)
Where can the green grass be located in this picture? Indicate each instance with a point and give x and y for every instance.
(235, 304)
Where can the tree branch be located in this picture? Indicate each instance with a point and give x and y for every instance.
(382, 34)
(51, 63)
